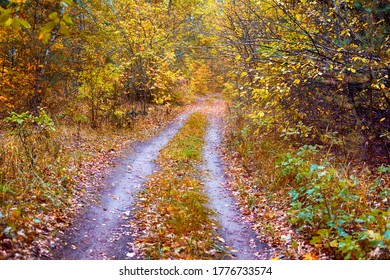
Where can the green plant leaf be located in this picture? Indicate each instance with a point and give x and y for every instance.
(53, 15)
(48, 27)
(384, 169)
(24, 23)
(5, 16)
(313, 168)
(334, 244)
(341, 232)
(67, 19)
(386, 235)
(69, 2)
(323, 233)
(315, 240)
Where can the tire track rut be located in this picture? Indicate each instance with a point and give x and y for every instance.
(239, 238)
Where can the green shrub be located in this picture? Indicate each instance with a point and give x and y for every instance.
(340, 213)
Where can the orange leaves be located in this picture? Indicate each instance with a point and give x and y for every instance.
(15, 214)
(3, 99)
(269, 215)
(310, 256)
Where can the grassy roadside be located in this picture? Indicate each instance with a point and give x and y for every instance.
(171, 212)
(304, 203)
(49, 170)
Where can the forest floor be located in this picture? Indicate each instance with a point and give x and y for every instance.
(105, 230)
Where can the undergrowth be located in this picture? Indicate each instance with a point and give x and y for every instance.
(172, 212)
(306, 203)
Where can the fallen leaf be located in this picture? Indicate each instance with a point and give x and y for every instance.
(221, 239)
(310, 256)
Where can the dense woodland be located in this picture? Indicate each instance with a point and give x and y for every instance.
(306, 83)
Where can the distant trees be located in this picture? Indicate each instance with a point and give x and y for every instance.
(98, 59)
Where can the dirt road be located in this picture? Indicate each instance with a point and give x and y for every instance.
(103, 231)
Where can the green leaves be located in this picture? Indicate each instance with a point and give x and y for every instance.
(27, 127)
(322, 197)
(57, 22)
(10, 18)
(67, 19)
(5, 15)
(69, 3)
(24, 23)
(14, 22)
(43, 120)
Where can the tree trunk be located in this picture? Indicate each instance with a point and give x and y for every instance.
(169, 7)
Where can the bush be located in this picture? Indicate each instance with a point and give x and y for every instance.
(341, 214)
